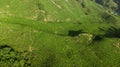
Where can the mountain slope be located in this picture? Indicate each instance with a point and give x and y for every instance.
(56, 10)
(78, 10)
(59, 33)
(112, 5)
(68, 10)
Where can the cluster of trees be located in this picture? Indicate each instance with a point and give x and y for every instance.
(11, 58)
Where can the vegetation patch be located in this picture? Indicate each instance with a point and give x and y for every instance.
(11, 58)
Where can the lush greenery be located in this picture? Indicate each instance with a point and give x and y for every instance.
(11, 58)
(59, 33)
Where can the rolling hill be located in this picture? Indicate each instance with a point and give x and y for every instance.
(59, 33)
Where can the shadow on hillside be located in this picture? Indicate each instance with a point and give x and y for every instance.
(111, 32)
(97, 38)
(73, 33)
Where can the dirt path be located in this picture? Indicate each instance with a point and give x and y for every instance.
(56, 4)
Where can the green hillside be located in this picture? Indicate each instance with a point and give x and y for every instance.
(59, 33)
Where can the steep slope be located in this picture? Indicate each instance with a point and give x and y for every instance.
(112, 5)
(59, 10)
(18, 8)
(51, 10)
(69, 10)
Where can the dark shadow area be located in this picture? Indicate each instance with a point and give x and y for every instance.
(73, 33)
(112, 32)
(6, 47)
(86, 13)
(97, 38)
(78, 22)
(83, 5)
(40, 6)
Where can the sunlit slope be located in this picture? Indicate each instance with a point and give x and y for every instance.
(51, 45)
(79, 33)
(51, 10)
(69, 10)
(18, 8)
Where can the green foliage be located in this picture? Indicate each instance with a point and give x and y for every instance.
(71, 38)
(9, 57)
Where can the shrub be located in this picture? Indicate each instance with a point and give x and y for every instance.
(11, 58)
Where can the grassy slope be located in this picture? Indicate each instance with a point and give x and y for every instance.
(49, 41)
(52, 49)
(51, 10)
(70, 10)
(19, 8)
